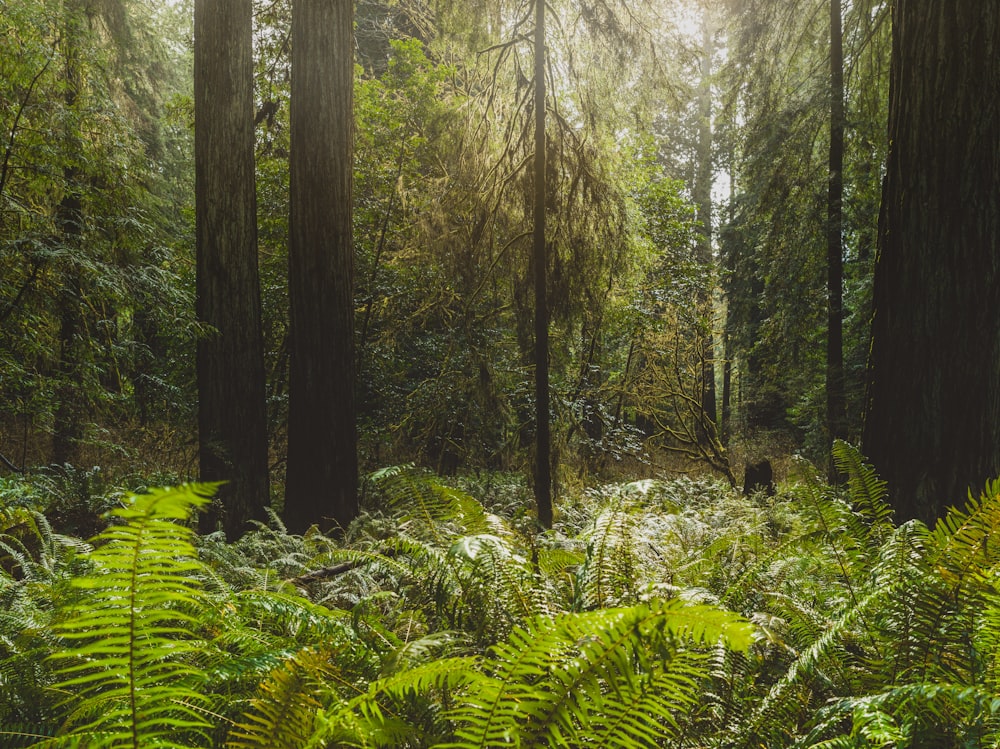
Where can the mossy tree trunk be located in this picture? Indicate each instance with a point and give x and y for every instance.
(70, 392)
(836, 403)
(543, 447)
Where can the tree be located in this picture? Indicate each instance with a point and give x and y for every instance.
(543, 450)
(932, 425)
(788, 232)
(702, 195)
(68, 420)
(232, 422)
(836, 406)
(322, 471)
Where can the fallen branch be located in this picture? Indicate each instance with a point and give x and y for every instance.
(11, 466)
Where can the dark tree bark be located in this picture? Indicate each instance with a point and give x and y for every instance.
(932, 425)
(543, 448)
(232, 420)
(322, 472)
(836, 403)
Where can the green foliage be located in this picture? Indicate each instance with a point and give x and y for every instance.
(655, 612)
(128, 631)
(777, 79)
(93, 309)
(420, 496)
(284, 713)
(620, 677)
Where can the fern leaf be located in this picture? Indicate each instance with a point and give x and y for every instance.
(608, 575)
(966, 542)
(869, 494)
(376, 717)
(128, 634)
(419, 497)
(283, 714)
(577, 674)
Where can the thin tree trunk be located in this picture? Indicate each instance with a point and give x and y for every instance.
(543, 449)
(725, 427)
(932, 424)
(703, 202)
(232, 419)
(836, 407)
(67, 427)
(322, 471)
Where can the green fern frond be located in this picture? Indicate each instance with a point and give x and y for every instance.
(128, 634)
(382, 715)
(869, 494)
(435, 674)
(557, 561)
(29, 549)
(555, 682)
(420, 497)
(422, 650)
(608, 577)
(497, 577)
(851, 536)
(966, 542)
(290, 616)
(820, 670)
(929, 714)
(253, 631)
(283, 715)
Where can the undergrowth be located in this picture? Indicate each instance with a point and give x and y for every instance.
(658, 613)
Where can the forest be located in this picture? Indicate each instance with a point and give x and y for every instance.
(486, 373)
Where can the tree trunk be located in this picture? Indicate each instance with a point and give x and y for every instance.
(232, 421)
(836, 404)
(703, 202)
(543, 450)
(726, 423)
(67, 426)
(322, 473)
(932, 424)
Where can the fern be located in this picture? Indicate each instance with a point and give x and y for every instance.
(302, 703)
(566, 679)
(255, 631)
(283, 715)
(34, 565)
(128, 633)
(868, 493)
(498, 589)
(608, 577)
(419, 499)
(909, 659)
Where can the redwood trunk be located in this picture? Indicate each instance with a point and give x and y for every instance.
(232, 420)
(932, 426)
(70, 393)
(322, 472)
